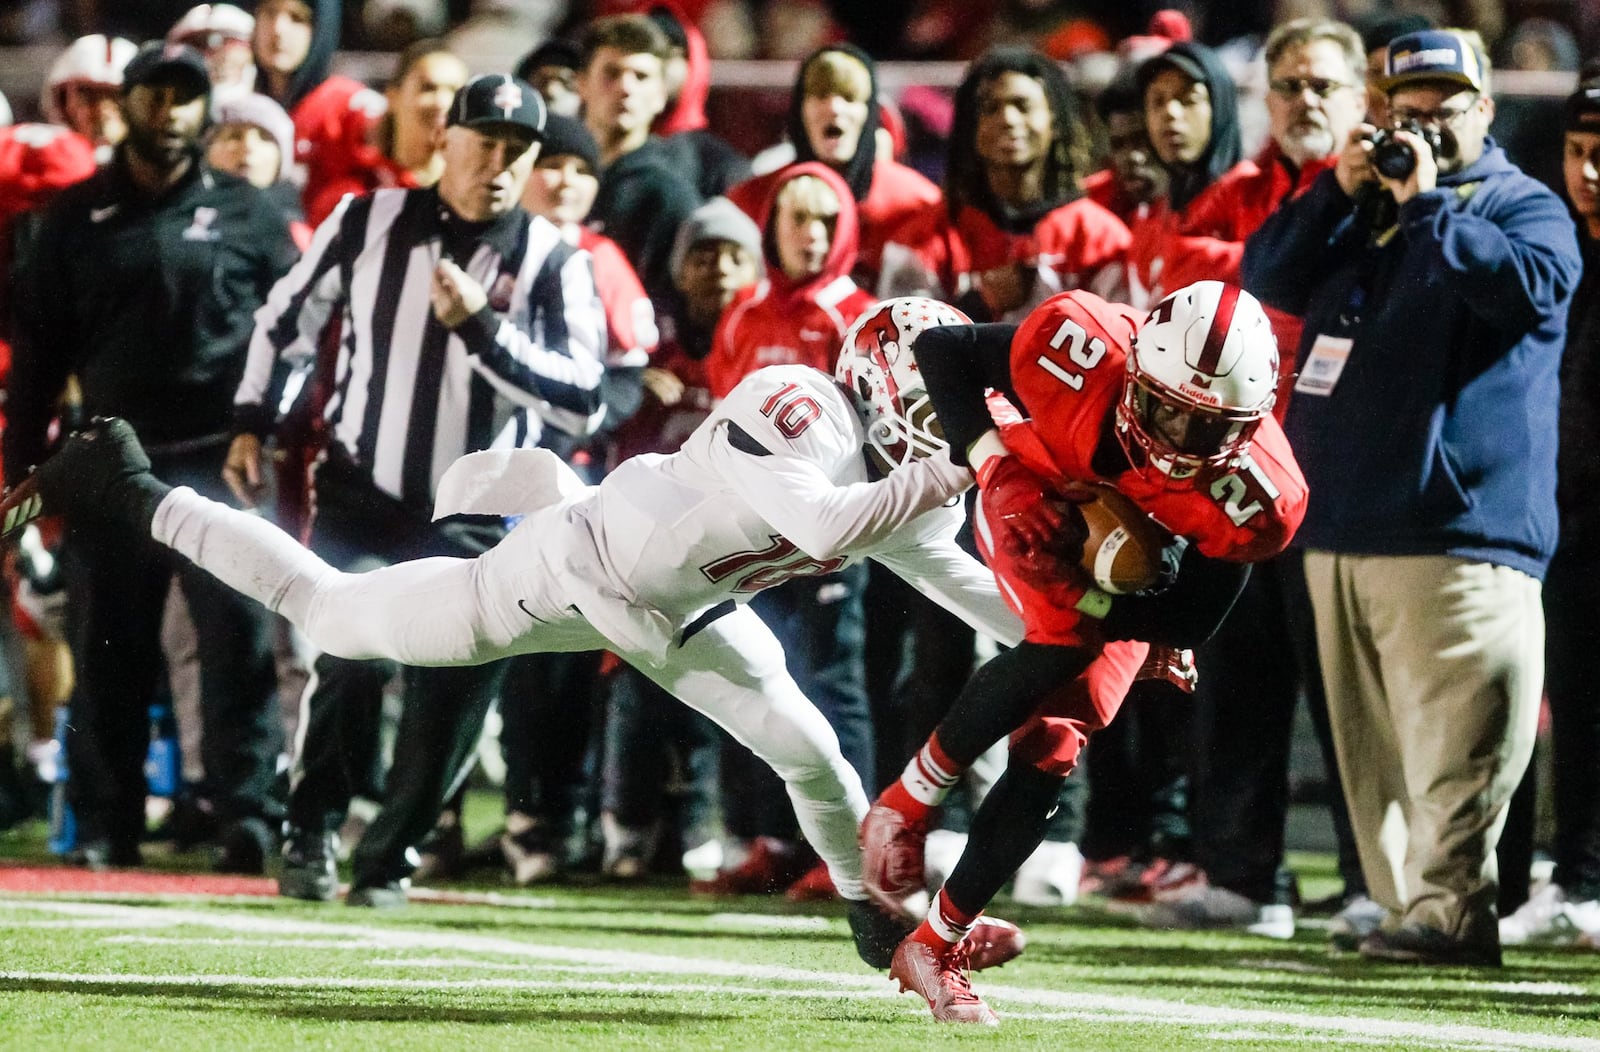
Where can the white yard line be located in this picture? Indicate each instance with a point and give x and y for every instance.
(1032, 1003)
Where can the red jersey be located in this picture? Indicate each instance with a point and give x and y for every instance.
(1103, 189)
(331, 127)
(1068, 364)
(1079, 245)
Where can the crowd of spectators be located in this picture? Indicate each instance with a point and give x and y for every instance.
(277, 271)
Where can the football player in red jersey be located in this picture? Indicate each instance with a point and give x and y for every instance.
(1173, 409)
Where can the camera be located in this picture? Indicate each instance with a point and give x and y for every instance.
(1393, 157)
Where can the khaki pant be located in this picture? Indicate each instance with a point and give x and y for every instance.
(1433, 667)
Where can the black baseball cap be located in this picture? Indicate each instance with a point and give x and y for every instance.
(498, 100)
(177, 63)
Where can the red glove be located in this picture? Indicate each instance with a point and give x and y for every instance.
(1032, 521)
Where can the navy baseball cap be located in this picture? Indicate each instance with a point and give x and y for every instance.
(1435, 55)
(497, 100)
(176, 63)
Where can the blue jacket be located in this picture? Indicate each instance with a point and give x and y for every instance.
(1439, 437)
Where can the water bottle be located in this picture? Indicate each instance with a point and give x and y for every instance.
(161, 759)
(63, 826)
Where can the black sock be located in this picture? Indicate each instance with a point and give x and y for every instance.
(1009, 826)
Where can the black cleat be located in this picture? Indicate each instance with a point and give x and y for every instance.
(99, 472)
(876, 933)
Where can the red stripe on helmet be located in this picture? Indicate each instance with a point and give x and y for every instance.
(1211, 353)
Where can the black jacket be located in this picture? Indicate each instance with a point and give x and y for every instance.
(642, 201)
(147, 300)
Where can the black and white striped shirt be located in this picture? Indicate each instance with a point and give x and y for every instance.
(411, 396)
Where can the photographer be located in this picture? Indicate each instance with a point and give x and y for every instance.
(1435, 305)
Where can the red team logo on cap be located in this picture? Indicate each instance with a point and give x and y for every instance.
(508, 97)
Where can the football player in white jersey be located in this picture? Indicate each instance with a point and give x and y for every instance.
(792, 474)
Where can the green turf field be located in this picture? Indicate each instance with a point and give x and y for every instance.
(602, 967)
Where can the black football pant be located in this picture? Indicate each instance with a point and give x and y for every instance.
(117, 582)
(358, 527)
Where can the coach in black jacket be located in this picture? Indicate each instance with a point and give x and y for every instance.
(142, 285)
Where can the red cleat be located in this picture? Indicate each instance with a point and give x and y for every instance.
(815, 886)
(941, 980)
(992, 942)
(771, 866)
(892, 849)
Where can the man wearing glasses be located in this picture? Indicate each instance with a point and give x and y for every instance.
(1435, 305)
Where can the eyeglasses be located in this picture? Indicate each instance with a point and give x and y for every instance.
(1399, 115)
(1294, 87)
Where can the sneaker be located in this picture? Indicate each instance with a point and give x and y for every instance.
(87, 477)
(309, 871)
(815, 885)
(443, 855)
(1546, 919)
(244, 846)
(104, 853)
(940, 854)
(1207, 907)
(390, 895)
(892, 856)
(770, 867)
(877, 934)
(1167, 879)
(941, 980)
(1420, 944)
(992, 942)
(1109, 877)
(1359, 918)
(531, 858)
(1050, 876)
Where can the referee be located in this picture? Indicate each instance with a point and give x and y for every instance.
(465, 324)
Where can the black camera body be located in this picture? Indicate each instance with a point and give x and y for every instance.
(1393, 157)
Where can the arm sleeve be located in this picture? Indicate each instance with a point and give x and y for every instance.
(1515, 266)
(1288, 256)
(556, 372)
(960, 363)
(40, 360)
(1186, 614)
(289, 325)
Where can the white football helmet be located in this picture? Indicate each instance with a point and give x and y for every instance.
(1202, 373)
(877, 366)
(208, 25)
(94, 59)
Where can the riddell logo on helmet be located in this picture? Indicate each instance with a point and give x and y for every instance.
(1199, 394)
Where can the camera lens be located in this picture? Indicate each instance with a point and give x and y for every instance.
(1394, 158)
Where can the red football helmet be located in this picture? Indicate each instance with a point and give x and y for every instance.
(1202, 373)
(877, 366)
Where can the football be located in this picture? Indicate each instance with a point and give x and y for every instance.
(1123, 549)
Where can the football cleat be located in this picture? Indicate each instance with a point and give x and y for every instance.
(941, 980)
(877, 934)
(816, 885)
(892, 850)
(992, 942)
(101, 471)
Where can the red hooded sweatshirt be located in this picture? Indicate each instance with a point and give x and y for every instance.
(780, 321)
(1210, 242)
